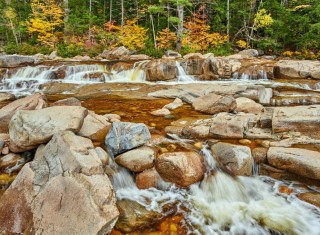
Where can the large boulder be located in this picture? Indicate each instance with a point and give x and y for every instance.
(304, 119)
(29, 129)
(63, 187)
(148, 179)
(137, 160)
(95, 127)
(236, 158)
(227, 125)
(124, 136)
(116, 53)
(161, 70)
(297, 69)
(249, 52)
(15, 60)
(247, 105)
(298, 161)
(213, 103)
(36, 101)
(181, 168)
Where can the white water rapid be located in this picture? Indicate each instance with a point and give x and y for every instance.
(222, 204)
(182, 75)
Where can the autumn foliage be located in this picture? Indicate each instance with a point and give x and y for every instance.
(46, 19)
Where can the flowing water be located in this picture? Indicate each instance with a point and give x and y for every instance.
(220, 203)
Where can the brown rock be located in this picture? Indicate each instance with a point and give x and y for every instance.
(260, 155)
(161, 70)
(298, 161)
(103, 156)
(247, 105)
(6, 97)
(147, 179)
(67, 102)
(36, 101)
(213, 104)
(137, 160)
(181, 168)
(28, 129)
(161, 112)
(304, 119)
(226, 125)
(236, 158)
(95, 127)
(311, 197)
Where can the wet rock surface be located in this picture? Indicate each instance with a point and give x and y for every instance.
(182, 168)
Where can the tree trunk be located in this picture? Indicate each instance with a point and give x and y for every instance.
(122, 13)
(153, 32)
(136, 7)
(66, 16)
(228, 20)
(110, 11)
(180, 10)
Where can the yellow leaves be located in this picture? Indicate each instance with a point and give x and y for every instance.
(166, 39)
(132, 35)
(199, 37)
(46, 18)
(262, 19)
(242, 44)
(9, 13)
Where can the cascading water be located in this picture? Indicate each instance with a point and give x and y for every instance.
(136, 74)
(222, 204)
(86, 73)
(27, 80)
(182, 75)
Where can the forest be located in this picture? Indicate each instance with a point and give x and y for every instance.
(87, 27)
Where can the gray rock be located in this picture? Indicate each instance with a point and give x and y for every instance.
(249, 52)
(124, 136)
(15, 60)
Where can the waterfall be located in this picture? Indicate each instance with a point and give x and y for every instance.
(27, 80)
(182, 75)
(222, 204)
(136, 74)
(86, 73)
(253, 75)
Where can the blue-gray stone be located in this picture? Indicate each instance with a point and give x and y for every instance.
(124, 136)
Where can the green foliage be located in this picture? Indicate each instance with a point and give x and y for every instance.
(26, 49)
(69, 50)
(222, 50)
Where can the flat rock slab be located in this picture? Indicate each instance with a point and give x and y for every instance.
(15, 60)
(303, 119)
(298, 69)
(28, 129)
(298, 161)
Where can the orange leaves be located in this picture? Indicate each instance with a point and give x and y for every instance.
(166, 39)
(109, 26)
(200, 38)
(132, 35)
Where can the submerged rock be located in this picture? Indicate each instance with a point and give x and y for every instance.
(63, 188)
(36, 101)
(67, 102)
(161, 112)
(28, 129)
(236, 158)
(174, 105)
(137, 160)
(181, 168)
(213, 104)
(298, 161)
(124, 136)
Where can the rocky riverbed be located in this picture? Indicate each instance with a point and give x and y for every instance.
(164, 158)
